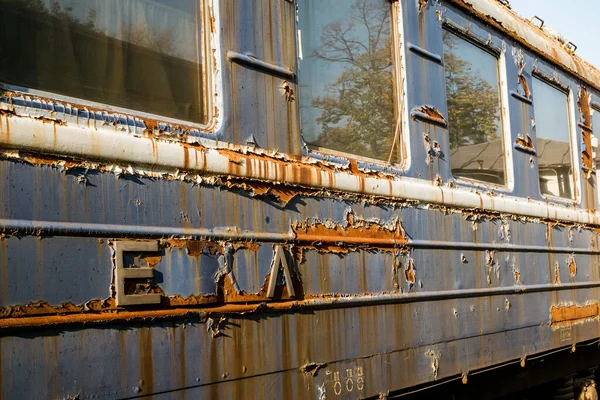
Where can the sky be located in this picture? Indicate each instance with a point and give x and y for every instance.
(577, 20)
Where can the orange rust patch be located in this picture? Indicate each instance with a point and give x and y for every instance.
(196, 247)
(556, 273)
(525, 142)
(116, 316)
(37, 159)
(292, 165)
(151, 259)
(572, 267)
(283, 192)
(574, 313)
(524, 85)
(191, 300)
(432, 113)
(583, 104)
(44, 308)
(50, 120)
(238, 156)
(409, 272)
(355, 234)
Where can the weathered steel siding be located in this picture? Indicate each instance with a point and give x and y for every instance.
(399, 279)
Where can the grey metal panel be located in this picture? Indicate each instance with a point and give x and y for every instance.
(425, 86)
(54, 269)
(352, 273)
(139, 360)
(185, 274)
(251, 267)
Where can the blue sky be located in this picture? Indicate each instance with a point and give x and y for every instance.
(577, 20)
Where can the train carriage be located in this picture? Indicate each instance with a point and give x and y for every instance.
(295, 199)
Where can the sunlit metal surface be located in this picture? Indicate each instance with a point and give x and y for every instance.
(282, 272)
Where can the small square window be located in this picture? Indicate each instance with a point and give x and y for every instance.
(552, 139)
(474, 120)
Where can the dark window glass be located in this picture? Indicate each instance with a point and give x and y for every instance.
(347, 79)
(145, 55)
(552, 132)
(474, 122)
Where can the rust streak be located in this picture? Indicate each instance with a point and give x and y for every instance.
(146, 361)
(409, 272)
(572, 266)
(524, 85)
(583, 104)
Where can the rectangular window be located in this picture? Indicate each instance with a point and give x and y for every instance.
(552, 139)
(144, 55)
(596, 130)
(346, 78)
(474, 121)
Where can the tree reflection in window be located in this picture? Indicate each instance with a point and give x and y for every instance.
(474, 123)
(346, 77)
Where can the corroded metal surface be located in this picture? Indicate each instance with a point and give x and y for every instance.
(282, 272)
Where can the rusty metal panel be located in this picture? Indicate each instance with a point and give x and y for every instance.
(262, 105)
(390, 280)
(38, 272)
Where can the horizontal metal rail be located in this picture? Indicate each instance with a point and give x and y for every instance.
(250, 61)
(136, 231)
(140, 231)
(285, 306)
(507, 247)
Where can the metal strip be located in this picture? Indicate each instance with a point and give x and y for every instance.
(497, 246)
(584, 127)
(295, 305)
(250, 61)
(133, 231)
(525, 149)
(113, 146)
(436, 58)
(521, 97)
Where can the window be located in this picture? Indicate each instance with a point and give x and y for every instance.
(475, 126)
(144, 55)
(596, 130)
(346, 78)
(552, 139)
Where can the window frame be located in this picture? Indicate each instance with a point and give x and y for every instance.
(499, 53)
(595, 108)
(565, 89)
(399, 104)
(212, 81)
